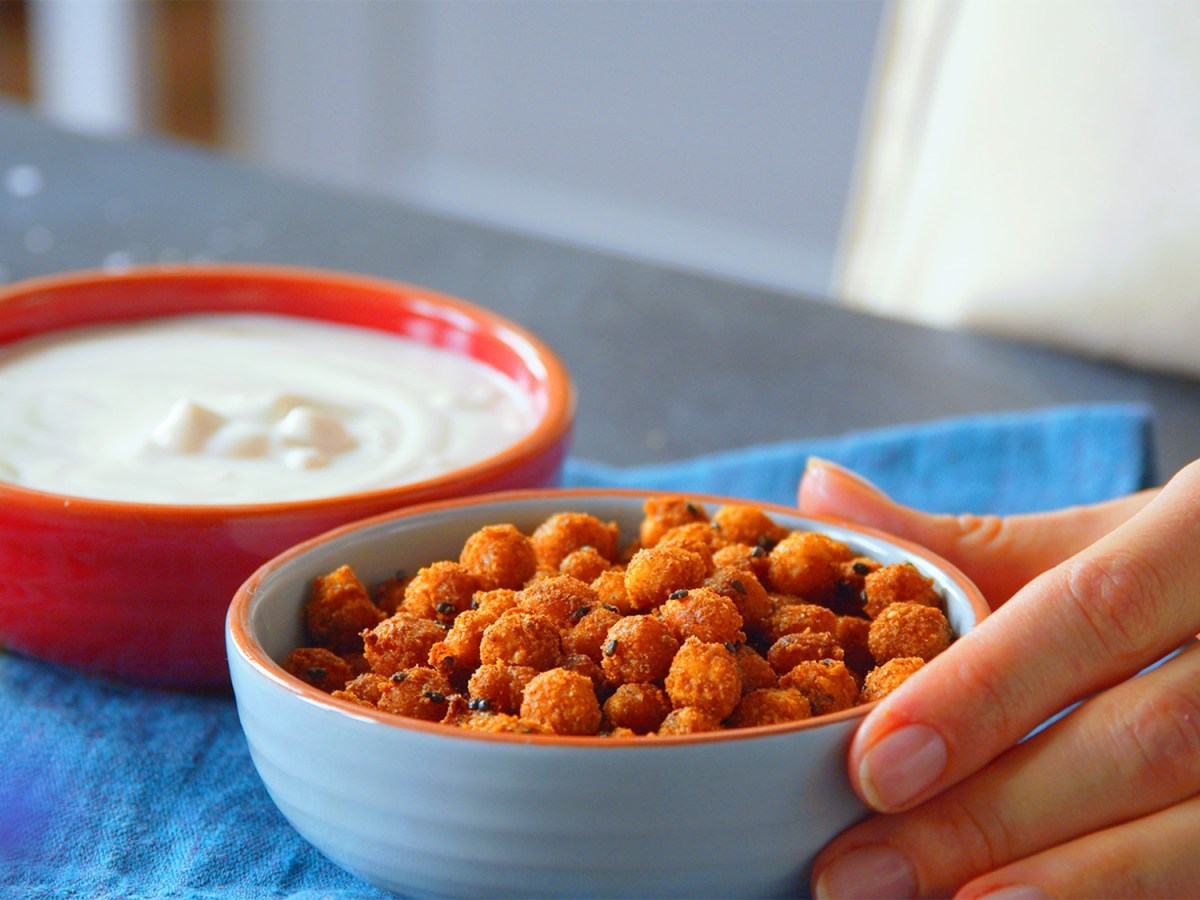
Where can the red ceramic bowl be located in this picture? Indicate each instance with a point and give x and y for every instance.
(139, 591)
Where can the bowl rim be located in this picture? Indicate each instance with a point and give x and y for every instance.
(239, 633)
(552, 428)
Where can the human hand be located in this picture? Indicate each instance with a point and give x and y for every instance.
(1104, 802)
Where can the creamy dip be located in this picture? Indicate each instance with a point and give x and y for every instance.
(244, 408)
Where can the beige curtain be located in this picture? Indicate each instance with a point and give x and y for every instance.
(1032, 168)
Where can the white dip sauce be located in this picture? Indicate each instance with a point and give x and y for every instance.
(244, 408)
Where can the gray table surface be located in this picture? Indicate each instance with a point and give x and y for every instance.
(668, 363)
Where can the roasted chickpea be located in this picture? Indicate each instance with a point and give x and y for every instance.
(898, 583)
(791, 617)
(590, 632)
(400, 642)
(586, 564)
(419, 693)
(564, 533)
(638, 649)
(807, 564)
(826, 683)
(706, 677)
(743, 524)
(884, 679)
(639, 707)
(687, 720)
(563, 701)
(657, 572)
(741, 586)
(323, 669)
(702, 613)
(661, 514)
(339, 610)
(908, 629)
(440, 591)
(557, 598)
(499, 556)
(792, 649)
(770, 706)
(499, 687)
(522, 638)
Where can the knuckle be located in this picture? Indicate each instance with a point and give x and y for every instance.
(981, 530)
(981, 838)
(1160, 734)
(1119, 598)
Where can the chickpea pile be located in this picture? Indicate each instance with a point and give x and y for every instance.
(700, 623)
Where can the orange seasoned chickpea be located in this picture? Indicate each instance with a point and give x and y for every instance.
(705, 676)
(898, 583)
(457, 655)
(565, 532)
(610, 590)
(699, 537)
(756, 671)
(884, 679)
(496, 602)
(661, 514)
(585, 665)
(807, 564)
(563, 701)
(590, 631)
(522, 638)
(323, 669)
(770, 706)
(792, 649)
(908, 629)
(657, 572)
(687, 720)
(702, 613)
(790, 617)
(557, 598)
(740, 523)
(637, 649)
(753, 602)
(419, 693)
(339, 610)
(744, 556)
(499, 687)
(440, 591)
(499, 556)
(586, 564)
(639, 707)
(365, 689)
(400, 642)
(827, 684)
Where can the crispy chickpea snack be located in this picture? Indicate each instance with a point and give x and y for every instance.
(699, 623)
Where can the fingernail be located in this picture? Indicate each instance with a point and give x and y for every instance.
(901, 766)
(875, 870)
(816, 463)
(1016, 892)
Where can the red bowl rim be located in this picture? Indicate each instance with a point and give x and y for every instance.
(238, 625)
(552, 428)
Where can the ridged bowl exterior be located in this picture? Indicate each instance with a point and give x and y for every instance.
(139, 591)
(422, 809)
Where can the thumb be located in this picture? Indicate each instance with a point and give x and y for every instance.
(999, 554)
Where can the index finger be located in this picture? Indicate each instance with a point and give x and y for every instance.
(1087, 624)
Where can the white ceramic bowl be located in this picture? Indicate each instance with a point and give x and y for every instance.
(427, 809)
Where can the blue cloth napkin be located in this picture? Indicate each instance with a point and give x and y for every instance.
(111, 790)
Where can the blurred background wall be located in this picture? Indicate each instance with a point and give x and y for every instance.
(717, 135)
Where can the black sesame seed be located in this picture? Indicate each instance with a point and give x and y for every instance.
(449, 661)
(731, 646)
(479, 703)
(445, 607)
(579, 613)
(399, 676)
(679, 594)
(434, 696)
(611, 647)
(758, 551)
(693, 510)
(738, 585)
(766, 543)
(862, 568)
(610, 607)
